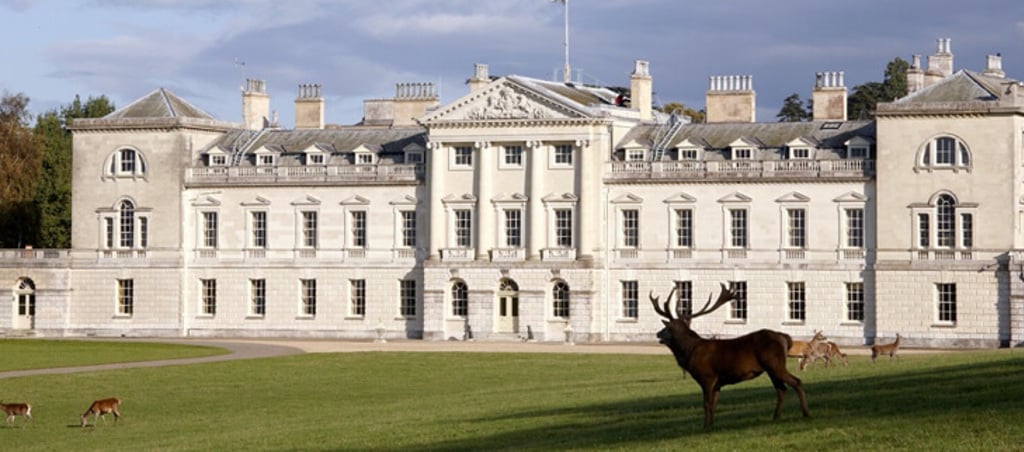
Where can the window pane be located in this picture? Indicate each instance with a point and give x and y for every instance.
(738, 307)
(855, 228)
(409, 228)
(684, 228)
(630, 228)
(259, 229)
(738, 227)
(359, 229)
(308, 296)
(630, 299)
(855, 302)
(560, 298)
(947, 302)
(358, 296)
(125, 296)
(513, 228)
(210, 229)
(407, 303)
(127, 224)
(563, 228)
(944, 221)
(797, 301)
(460, 299)
(797, 228)
(684, 297)
(463, 228)
(209, 293)
(309, 234)
(258, 294)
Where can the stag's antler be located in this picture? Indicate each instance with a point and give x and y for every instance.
(663, 311)
(723, 297)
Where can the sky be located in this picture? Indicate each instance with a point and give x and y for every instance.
(202, 50)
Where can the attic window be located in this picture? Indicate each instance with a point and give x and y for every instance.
(264, 160)
(314, 159)
(634, 155)
(414, 157)
(364, 158)
(831, 125)
(944, 152)
(799, 153)
(687, 154)
(218, 160)
(742, 154)
(858, 152)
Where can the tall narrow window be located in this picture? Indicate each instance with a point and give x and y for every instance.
(108, 227)
(409, 228)
(947, 302)
(460, 299)
(463, 228)
(127, 219)
(944, 151)
(309, 233)
(797, 301)
(630, 299)
(738, 228)
(684, 298)
(308, 296)
(684, 228)
(738, 307)
(944, 225)
(407, 298)
(127, 161)
(560, 300)
(357, 288)
(259, 229)
(855, 302)
(143, 232)
(209, 292)
(967, 230)
(923, 230)
(563, 228)
(358, 229)
(630, 228)
(125, 296)
(855, 228)
(513, 228)
(797, 228)
(258, 297)
(210, 229)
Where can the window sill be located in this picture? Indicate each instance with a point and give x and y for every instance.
(205, 316)
(255, 317)
(122, 316)
(355, 317)
(405, 319)
(852, 323)
(736, 322)
(305, 317)
(627, 320)
(944, 325)
(792, 322)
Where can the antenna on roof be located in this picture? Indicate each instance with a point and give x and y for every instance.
(241, 68)
(567, 75)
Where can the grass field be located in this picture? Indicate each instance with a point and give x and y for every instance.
(474, 401)
(22, 354)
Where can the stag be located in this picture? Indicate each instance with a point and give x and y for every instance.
(714, 363)
(887, 349)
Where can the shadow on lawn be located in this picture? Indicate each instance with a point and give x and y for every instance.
(861, 400)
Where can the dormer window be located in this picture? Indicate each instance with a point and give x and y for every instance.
(687, 154)
(634, 155)
(364, 158)
(218, 160)
(742, 154)
(414, 157)
(858, 152)
(799, 153)
(265, 160)
(314, 158)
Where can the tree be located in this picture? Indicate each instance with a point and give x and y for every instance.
(696, 116)
(865, 97)
(793, 110)
(53, 193)
(19, 171)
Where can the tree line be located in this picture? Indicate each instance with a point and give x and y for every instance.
(35, 170)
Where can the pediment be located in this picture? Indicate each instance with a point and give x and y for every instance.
(628, 198)
(205, 201)
(258, 201)
(691, 144)
(561, 197)
(217, 150)
(355, 200)
(413, 147)
(858, 141)
(680, 198)
(634, 144)
(851, 197)
(802, 142)
(264, 150)
(467, 198)
(503, 100)
(514, 197)
(404, 201)
(793, 197)
(308, 200)
(735, 197)
(744, 142)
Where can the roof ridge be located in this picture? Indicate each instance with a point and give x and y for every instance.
(167, 102)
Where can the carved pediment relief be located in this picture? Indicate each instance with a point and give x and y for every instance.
(503, 101)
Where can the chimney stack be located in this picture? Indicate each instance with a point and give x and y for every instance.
(731, 98)
(829, 97)
(940, 65)
(994, 66)
(309, 107)
(915, 76)
(255, 104)
(412, 100)
(479, 79)
(640, 90)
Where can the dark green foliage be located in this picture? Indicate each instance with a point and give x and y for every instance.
(696, 116)
(862, 102)
(53, 193)
(793, 110)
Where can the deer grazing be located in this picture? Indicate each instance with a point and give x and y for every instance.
(16, 409)
(102, 407)
(887, 349)
(816, 349)
(834, 352)
(800, 348)
(714, 363)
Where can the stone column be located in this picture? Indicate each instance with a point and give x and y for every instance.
(587, 224)
(537, 231)
(438, 162)
(484, 221)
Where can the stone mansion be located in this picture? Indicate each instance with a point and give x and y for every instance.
(530, 209)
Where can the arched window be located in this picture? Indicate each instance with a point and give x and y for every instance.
(560, 299)
(944, 152)
(944, 221)
(126, 221)
(460, 299)
(126, 162)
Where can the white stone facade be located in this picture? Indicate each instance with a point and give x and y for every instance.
(535, 210)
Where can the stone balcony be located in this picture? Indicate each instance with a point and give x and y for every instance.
(382, 174)
(845, 169)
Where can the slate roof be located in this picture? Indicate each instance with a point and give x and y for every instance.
(337, 143)
(160, 103)
(830, 134)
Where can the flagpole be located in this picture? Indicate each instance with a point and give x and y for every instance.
(567, 75)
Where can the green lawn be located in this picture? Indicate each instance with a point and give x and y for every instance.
(470, 401)
(22, 354)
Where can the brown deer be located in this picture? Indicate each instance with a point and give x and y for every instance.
(887, 349)
(834, 352)
(816, 349)
(718, 362)
(102, 407)
(16, 409)
(799, 348)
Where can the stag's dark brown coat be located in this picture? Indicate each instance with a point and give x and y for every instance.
(714, 363)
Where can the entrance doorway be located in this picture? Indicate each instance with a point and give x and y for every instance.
(25, 304)
(508, 306)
